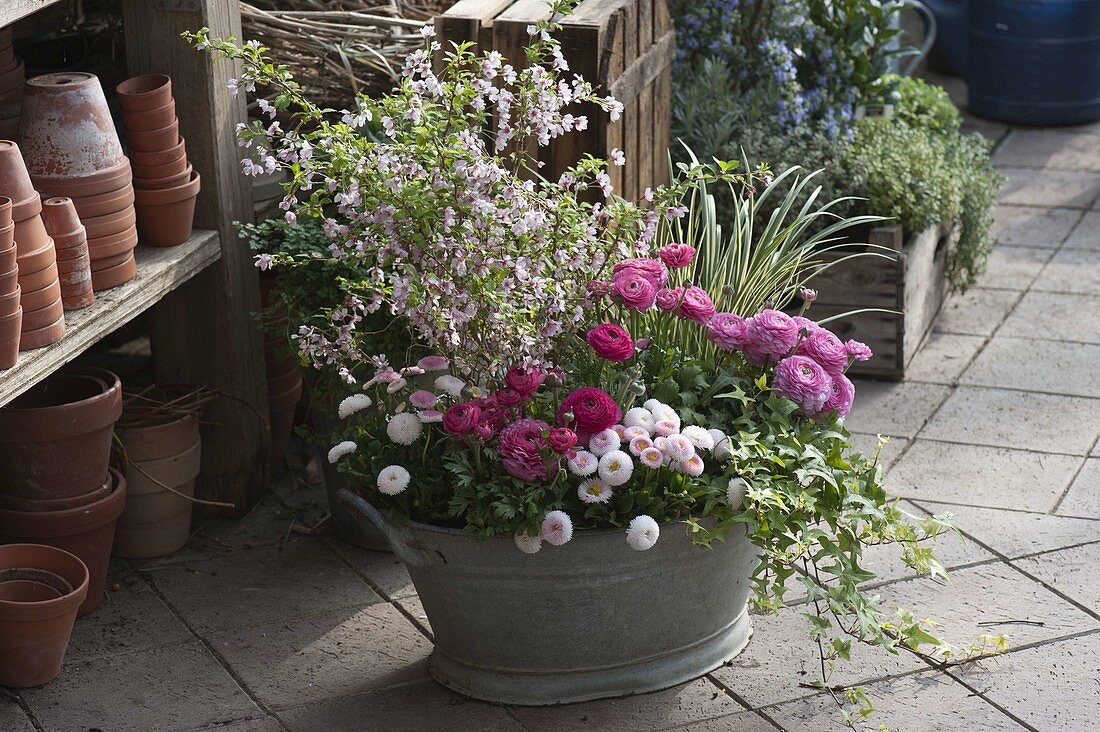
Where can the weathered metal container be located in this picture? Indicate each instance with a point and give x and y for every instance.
(587, 620)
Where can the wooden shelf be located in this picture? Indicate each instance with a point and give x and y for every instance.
(160, 270)
(13, 10)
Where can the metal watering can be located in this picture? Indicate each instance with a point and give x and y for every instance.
(1034, 62)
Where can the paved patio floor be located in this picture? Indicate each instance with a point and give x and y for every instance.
(256, 627)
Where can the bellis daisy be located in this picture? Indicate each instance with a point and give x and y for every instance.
(428, 416)
(639, 445)
(528, 544)
(396, 385)
(665, 427)
(616, 467)
(423, 399)
(642, 533)
(651, 457)
(433, 363)
(557, 528)
(604, 442)
(698, 437)
(338, 451)
(594, 490)
(631, 432)
(693, 466)
(352, 404)
(583, 463)
(393, 480)
(736, 491)
(404, 429)
(450, 384)
(679, 447)
(722, 446)
(639, 417)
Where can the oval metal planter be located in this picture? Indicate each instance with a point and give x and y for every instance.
(587, 620)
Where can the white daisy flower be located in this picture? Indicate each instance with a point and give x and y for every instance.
(665, 427)
(450, 384)
(693, 466)
(699, 437)
(639, 417)
(654, 405)
(651, 457)
(346, 447)
(405, 428)
(594, 490)
(722, 445)
(393, 479)
(428, 416)
(679, 448)
(661, 443)
(736, 491)
(631, 432)
(557, 528)
(583, 463)
(638, 444)
(528, 544)
(352, 404)
(663, 412)
(616, 467)
(642, 533)
(396, 385)
(604, 442)
(619, 429)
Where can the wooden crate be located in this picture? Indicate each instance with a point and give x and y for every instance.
(911, 283)
(624, 47)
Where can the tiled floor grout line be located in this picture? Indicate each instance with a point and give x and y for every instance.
(25, 707)
(722, 688)
(945, 441)
(511, 713)
(998, 508)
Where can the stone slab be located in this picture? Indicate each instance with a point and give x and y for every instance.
(261, 724)
(1018, 533)
(943, 357)
(1087, 234)
(1052, 367)
(1013, 268)
(1065, 188)
(977, 312)
(320, 657)
(1055, 316)
(383, 570)
(12, 718)
(1004, 418)
(1052, 149)
(1074, 571)
(1083, 498)
(415, 611)
(867, 444)
(896, 409)
(1071, 270)
(736, 722)
(1032, 226)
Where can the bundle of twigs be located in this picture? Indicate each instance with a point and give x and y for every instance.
(338, 48)
(155, 405)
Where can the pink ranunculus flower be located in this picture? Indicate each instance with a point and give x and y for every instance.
(651, 269)
(423, 399)
(598, 289)
(461, 419)
(805, 325)
(634, 290)
(611, 341)
(668, 299)
(524, 379)
(728, 331)
(772, 335)
(593, 411)
(825, 348)
(520, 449)
(842, 392)
(696, 305)
(804, 381)
(509, 397)
(858, 351)
(562, 440)
(677, 255)
(807, 294)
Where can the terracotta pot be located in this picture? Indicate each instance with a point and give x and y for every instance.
(71, 265)
(37, 280)
(55, 439)
(159, 440)
(142, 93)
(33, 260)
(157, 158)
(66, 131)
(56, 504)
(150, 119)
(31, 236)
(107, 247)
(9, 128)
(284, 379)
(113, 277)
(8, 256)
(76, 281)
(40, 298)
(281, 411)
(143, 173)
(10, 328)
(169, 181)
(14, 75)
(105, 203)
(154, 140)
(9, 280)
(59, 216)
(9, 303)
(15, 182)
(5, 212)
(108, 180)
(64, 254)
(157, 521)
(98, 227)
(87, 532)
(43, 317)
(166, 215)
(34, 631)
(31, 339)
(104, 263)
(76, 302)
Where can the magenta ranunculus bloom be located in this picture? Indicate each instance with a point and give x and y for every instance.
(651, 269)
(593, 411)
(825, 348)
(634, 289)
(562, 440)
(524, 379)
(805, 324)
(772, 335)
(842, 392)
(696, 305)
(611, 341)
(730, 332)
(598, 289)
(804, 381)
(520, 449)
(677, 256)
(858, 351)
(461, 419)
(509, 397)
(669, 298)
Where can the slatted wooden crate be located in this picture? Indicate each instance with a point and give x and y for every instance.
(911, 283)
(624, 47)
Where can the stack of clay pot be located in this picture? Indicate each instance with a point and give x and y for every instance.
(70, 243)
(40, 292)
(165, 184)
(11, 314)
(284, 375)
(55, 484)
(72, 149)
(12, 83)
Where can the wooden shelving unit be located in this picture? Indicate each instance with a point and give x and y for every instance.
(159, 272)
(15, 10)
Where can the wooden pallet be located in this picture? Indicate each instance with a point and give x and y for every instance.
(624, 47)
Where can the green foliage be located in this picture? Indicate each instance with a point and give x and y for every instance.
(920, 104)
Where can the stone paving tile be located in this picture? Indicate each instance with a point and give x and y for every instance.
(990, 130)
(132, 618)
(943, 357)
(12, 718)
(895, 409)
(421, 706)
(1071, 270)
(324, 656)
(261, 724)
(925, 702)
(1051, 687)
(411, 605)
(736, 722)
(1003, 418)
(978, 312)
(781, 656)
(867, 444)
(1049, 149)
(1031, 187)
(1054, 316)
(1016, 533)
(1083, 498)
(1074, 571)
(262, 585)
(982, 600)
(168, 688)
(1087, 234)
(981, 476)
(383, 569)
(691, 702)
(1031, 226)
(1032, 365)
(1013, 268)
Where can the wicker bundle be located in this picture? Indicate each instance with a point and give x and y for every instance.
(338, 48)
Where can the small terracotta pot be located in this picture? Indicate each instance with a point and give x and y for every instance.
(9, 302)
(112, 245)
(5, 212)
(55, 439)
(40, 298)
(150, 119)
(56, 504)
(159, 440)
(170, 181)
(98, 227)
(14, 75)
(37, 280)
(87, 532)
(35, 628)
(120, 274)
(10, 328)
(142, 93)
(77, 281)
(33, 260)
(9, 128)
(7, 234)
(105, 203)
(154, 140)
(281, 411)
(59, 216)
(157, 521)
(43, 317)
(80, 251)
(31, 339)
(144, 173)
(9, 280)
(166, 215)
(71, 265)
(106, 181)
(157, 158)
(8, 257)
(76, 302)
(103, 263)
(15, 181)
(31, 236)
